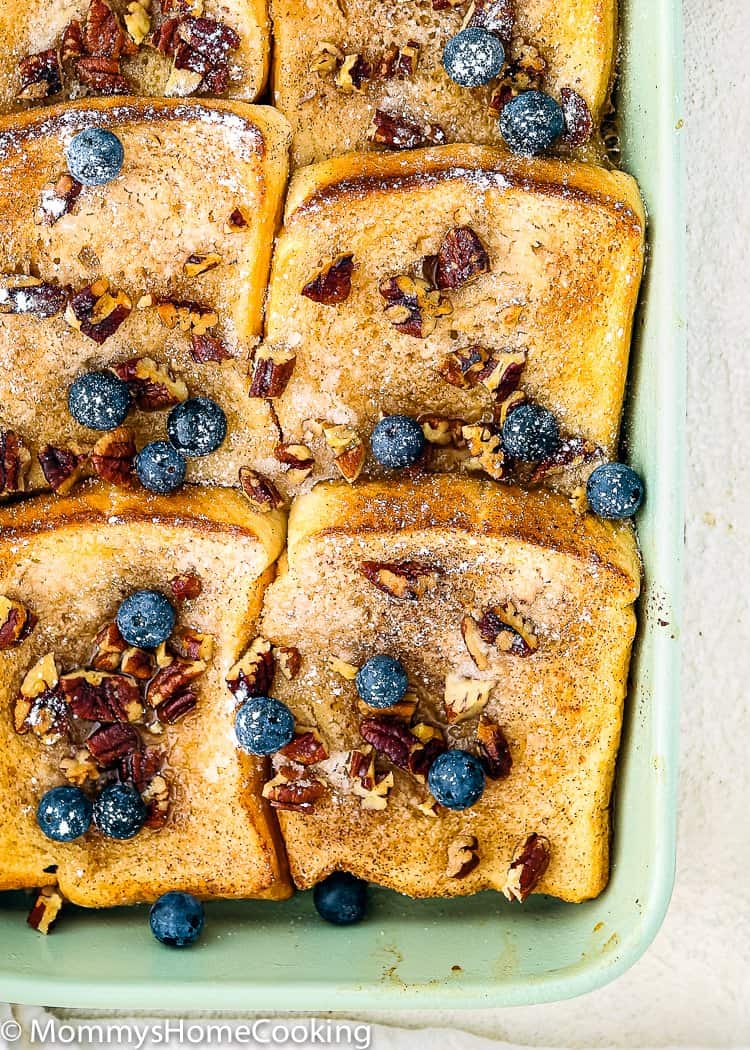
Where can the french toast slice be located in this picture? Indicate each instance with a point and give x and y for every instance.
(70, 562)
(159, 275)
(76, 48)
(402, 568)
(336, 65)
(538, 264)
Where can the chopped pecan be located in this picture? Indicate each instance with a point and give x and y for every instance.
(172, 680)
(465, 697)
(103, 36)
(57, 199)
(190, 644)
(494, 750)
(14, 463)
(97, 312)
(333, 282)
(110, 743)
(272, 370)
(102, 75)
(176, 706)
(298, 458)
(412, 306)
(505, 627)
(260, 490)
(41, 678)
(352, 74)
(46, 909)
(184, 314)
(252, 675)
(389, 737)
(530, 862)
(442, 430)
(113, 456)
(372, 788)
(350, 450)
(461, 259)
(100, 696)
(138, 20)
(289, 660)
(153, 386)
(62, 467)
(501, 372)
(205, 348)
(236, 221)
(79, 768)
(462, 368)
(71, 47)
(496, 16)
(20, 294)
(572, 452)
(138, 663)
(140, 767)
(446, 5)
(212, 40)
(186, 586)
(578, 120)
(485, 445)
(109, 645)
(198, 264)
(407, 60)
(403, 710)
(501, 409)
(400, 132)
(325, 58)
(474, 642)
(156, 796)
(305, 747)
(299, 795)
(200, 48)
(41, 76)
(16, 622)
(463, 856)
(431, 744)
(404, 580)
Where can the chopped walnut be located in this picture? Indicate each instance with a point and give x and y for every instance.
(185, 314)
(350, 451)
(412, 306)
(501, 372)
(15, 459)
(138, 20)
(186, 586)
(156, 796)
(78, 769)
(289, 660)
(442, 431)
(109, 645)
(43, 676)
(189, 644)
(372, 788)
(152, 385)
(462, 368)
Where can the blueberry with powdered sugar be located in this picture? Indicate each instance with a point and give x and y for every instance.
(197, 426)
(473, 57)
(531, 122)
(99, 400)
(397, 442)
(95, 156)
(614, 491)
(160, 467)
(64, 814)
(382, 682)
(146, 619)
(119, 811)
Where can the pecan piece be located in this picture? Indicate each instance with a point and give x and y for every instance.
(305, 747)
(16, 622)
(325, 58)
(399, 132)
(298, 794)
(461, 259)
(474, 642)
(46, 716)
(465, 697)
(289, 659)
(350, 449)
(407, 60)
(493, 748)
(71, 47)
(102, 75)
(172, 680)
(138, 663)
(505, 627)
(442, 430)
(103, 36)
(186, 586)
(62, 468)
(462, 368)
(485, 446)
(431, 744)
(109, 645)
(185, 314)
(260, 490)
(110, 743)
(190, 644)
(46, 909)
(352, 74)
(41, 76)
(176, 706)
(113, 457)
(463, 856)
(501, 373)
(412, 306)
(57, 199)
(205, 348)
(389, 737)
(100, 696)
(530, 862)
(97, 312)
(41, 678)
(198, 263)
(502, 408)
(372, 788)
(496, 16)
(403, 580)
(272, 370)
(252, 675)
(20, 294)
(156, 796)
(572, 452)
(153, 386)
(235, 222)
(140, 767)
(578, 120)
(14, 463)
(333, 283)
(298, 458)
(79, 768)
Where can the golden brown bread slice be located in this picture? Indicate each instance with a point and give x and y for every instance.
(554, 45)
(70, 562)
(563, 248)
(395, 567)
(184, 233)
(72, 48)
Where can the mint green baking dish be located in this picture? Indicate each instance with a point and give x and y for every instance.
(479, 951)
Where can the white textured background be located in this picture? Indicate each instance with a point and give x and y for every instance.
(692, 989)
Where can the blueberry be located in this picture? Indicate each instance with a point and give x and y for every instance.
(99, 400)
(263, 725)
(197, 426)
(456, 779)
(94, 156)
(64, 814)
(530, 433)
(397, 441)
(146, 619)
(531, 122)
(473, 57)
(341, 899)
(119, 811)
(160, 467)
(176, 919)
(614, 490)
(382, 681)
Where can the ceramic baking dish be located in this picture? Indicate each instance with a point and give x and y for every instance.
(479, 951)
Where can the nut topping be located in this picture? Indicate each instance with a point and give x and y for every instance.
(461, 259)
(403, 580)
(109, 744)
(465, 697)
(16, 622)
(41, 76)
(41, 678)
(20, 294)
(389, 737)
(57, 199)
(573, 452)
(370, 787)
(260, 490)
(501, 373)
(190, 644)
(109, 645)
(156, 796)
(333, 283)
(100, 696)
(299, 794)
(186, 586)
(252, 675)
(138, 663)
(14, 463)
(502, 408)
(344, 669)
(496, 16)
(205, 348)
(138, 20)
(530, 862)
(184, 314)
(506, 628)
(140, 767)
(578, 120)
(412, 306)
(462, 368)
(62, 468)
(442, 431)
(352, 74)
(97, 312)
(463, 856)
(113, 457)
(306, 748)
(78, 769)
(493, 748)
(300, 460)
(46, 909)
(474, 642)
(350, 450)
(153, 386)
(176, 706)
(272, 370)
(289, 659)
(431, 744)
(326, 57)
(195, 265)
(485, 445)
(399, 132)
(173, 680)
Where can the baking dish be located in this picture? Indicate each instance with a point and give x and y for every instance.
(478, 951)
